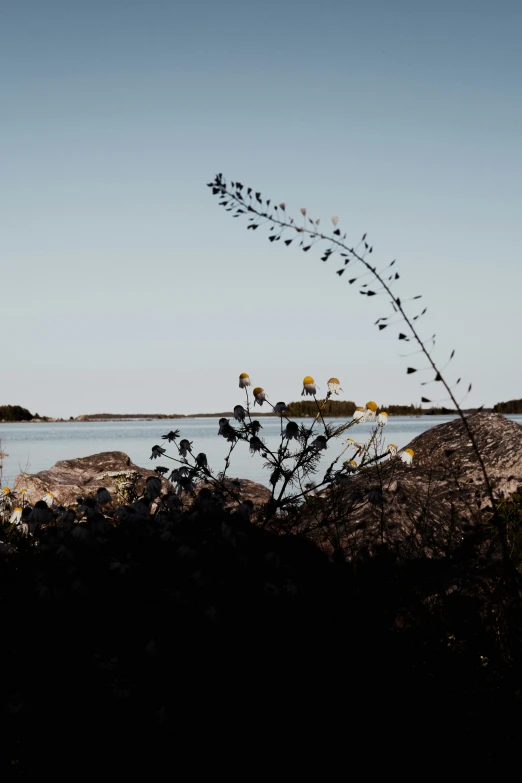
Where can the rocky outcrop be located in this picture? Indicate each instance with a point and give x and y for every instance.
(425, 509)
(73, 478)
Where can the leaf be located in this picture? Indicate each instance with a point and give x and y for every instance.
(418, 297)
(288, 242)
(382, 326)
(253, 226)
(363, 238)
(370, 293)
(306, 248)
(398, 301)
(258, 198)
(392, 263)
(402, 336)
(347, 261)
(438, 377)
(469, 387)
(410, 370)
(282, 206)
(337, 231)
(452, 354)
(425, 399)
(271, 238)
(340, 271)
(396, 276)
(352, 280)
(324, 258)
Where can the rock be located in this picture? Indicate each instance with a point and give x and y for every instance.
(71, 478)
(424, 509)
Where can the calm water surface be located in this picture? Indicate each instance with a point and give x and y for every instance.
(35, 447)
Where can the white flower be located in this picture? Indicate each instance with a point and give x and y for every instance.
(255, 426)
(407, 456)
(370, 411)
(103, 496)
(157, 451)
(244, 380)
(292, 430)
(16, 516)
(239, 413)
(382, 419)
(392, 449)
(319, 443)
(185, 446)
(334, 387)
(309, 386)
(48, 498)
(358, 414)
(280, 407)
(259, 395)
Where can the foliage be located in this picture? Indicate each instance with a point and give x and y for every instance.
(14, 413)
(512, 406)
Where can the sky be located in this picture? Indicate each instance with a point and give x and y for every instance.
(127, 289)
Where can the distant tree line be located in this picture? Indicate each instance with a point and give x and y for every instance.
(14, 413)
(511, 406)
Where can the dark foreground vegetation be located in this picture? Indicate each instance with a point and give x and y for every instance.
(197, 642)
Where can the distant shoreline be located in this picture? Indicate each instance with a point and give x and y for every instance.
(86, 419)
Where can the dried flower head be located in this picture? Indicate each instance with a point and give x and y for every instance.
(382, 418)
(244, 380)
(334, 386)
(358, 414)
(259, 395)
(309, 386)
(407, 456)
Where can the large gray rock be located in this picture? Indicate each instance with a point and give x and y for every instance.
(424, 509)
(73, 478)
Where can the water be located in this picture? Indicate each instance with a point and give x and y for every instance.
(35, 447)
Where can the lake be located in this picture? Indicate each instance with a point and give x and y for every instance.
(35, 447)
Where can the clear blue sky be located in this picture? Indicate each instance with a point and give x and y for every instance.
(125, 288)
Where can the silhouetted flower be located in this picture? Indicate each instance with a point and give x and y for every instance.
(201, 460)
(103, 496)
(407, 456)
(358, 414)
(239, 413)
(222, 425)
(319, 443)
(280, 407)
(171, 436)
(309, 386)
(255, 444)
(255, 426)
(259, 395)
(41, 514)
(153, 487)
(292, 430)
(382, 418)
(185, 446)
(244, 380)
(157, 451)
(161, 470)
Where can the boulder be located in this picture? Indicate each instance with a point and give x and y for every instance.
(425, 509)
(73, 478)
